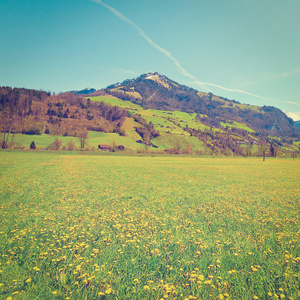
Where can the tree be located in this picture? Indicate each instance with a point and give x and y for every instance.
(83, 136)
(294, 155)
(273, 150)
(113, 146)
(189, 149)
(32, 145)
(263, 147)
(249, 147)
(56, 130)
(177, 147)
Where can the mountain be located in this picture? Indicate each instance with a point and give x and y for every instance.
(297, 123)
(86, 91)
(155, 91)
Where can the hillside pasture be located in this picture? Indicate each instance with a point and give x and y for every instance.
(161, 119)
(120, 227)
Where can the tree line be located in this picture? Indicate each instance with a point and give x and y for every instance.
(35, 112)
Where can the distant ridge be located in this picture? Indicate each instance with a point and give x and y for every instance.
(86, 91)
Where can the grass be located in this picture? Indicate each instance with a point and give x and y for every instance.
(41, 141)
(94, 139)
(234, 124)
(120, 227)
(159, 118)
(115, 101)
(166, 140)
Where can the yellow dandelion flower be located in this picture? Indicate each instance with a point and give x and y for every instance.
(28, 280)
(146, 288)
(108, 291)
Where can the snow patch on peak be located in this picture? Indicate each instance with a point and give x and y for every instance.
(153, 75)
(150, 76)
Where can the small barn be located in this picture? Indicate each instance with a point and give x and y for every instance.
(104, 147)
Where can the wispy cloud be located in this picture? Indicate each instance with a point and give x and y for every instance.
(289, 73)
(114, 70)
(176, 62)
(125, 71)
(294, 115)
(278, 76)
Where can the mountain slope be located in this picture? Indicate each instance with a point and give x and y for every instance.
(155, 91)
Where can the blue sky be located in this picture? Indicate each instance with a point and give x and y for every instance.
(244, 50)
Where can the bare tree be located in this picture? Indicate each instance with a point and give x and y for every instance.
(189, 149)
(177, 147)
(249, 146)
(294, 155)
(113, 146)
(83, 136)
(56, 130)
(7, 124)
(263, 147)
(273, 150)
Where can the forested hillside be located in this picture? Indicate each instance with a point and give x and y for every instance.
(36, 112)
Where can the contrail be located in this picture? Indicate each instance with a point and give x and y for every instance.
(244, 92)
(176, 62)
(143, 34)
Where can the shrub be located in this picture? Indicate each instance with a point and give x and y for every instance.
(90, 148)
(71, 146)
(4, 145)
(33, 131)
(32, 145)
(56, 145)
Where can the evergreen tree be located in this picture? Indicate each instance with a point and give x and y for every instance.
(32, 145)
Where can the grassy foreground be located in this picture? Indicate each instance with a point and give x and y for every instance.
(117, 227)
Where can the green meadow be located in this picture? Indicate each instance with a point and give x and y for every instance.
(161, 119)
(78, 226)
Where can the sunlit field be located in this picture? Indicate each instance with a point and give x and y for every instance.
(117, 227)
